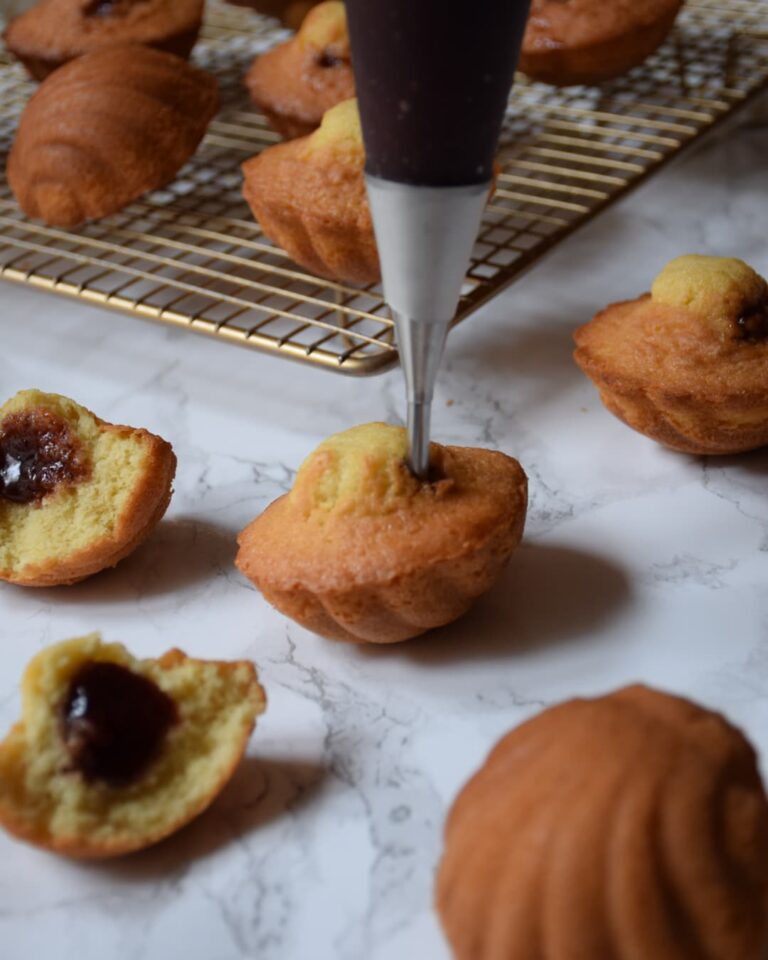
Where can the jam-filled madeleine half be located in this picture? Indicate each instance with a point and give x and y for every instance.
(362, 550)
(687, 363)
(113, 753)
(76, 494)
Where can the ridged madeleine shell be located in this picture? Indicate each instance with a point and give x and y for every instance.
(384, 578)
(316, 211)
(663, 372)
(105, 129)
(630, 827)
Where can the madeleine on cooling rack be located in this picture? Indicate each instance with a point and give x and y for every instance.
(113, 753)
(588, 41)
(687, 364)
(309, 198)
(55, 31)
(295, 83)
(105, 129)
(361, 550)
(632, 825)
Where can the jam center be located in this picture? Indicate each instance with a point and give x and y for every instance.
(38, 451)
(113, 722)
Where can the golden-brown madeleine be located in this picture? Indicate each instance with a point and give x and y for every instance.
(77, 494)
(309, 198)
(105, 129)
(296, 82)
(56, 31)
(588, 41)
(361, 550)
(113, 754)
(687, 364)
(632, 825)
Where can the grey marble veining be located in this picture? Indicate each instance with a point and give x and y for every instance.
(638, 564)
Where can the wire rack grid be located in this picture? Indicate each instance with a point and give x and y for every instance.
(191, 255)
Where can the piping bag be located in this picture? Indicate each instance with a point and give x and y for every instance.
(433, 78)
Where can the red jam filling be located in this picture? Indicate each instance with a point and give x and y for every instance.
(114, 722)
(38, 452)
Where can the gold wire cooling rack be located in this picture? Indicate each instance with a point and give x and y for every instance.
(191, 255)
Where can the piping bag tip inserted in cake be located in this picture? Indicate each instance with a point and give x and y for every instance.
(431, 117)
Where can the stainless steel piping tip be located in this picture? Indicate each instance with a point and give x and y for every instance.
(421, 345)
(419, 419)
(425, 237)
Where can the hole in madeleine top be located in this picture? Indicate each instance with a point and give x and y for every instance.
(729, 297)
(363, 472)
(38, 453)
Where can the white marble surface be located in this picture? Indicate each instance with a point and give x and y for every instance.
(638, 564)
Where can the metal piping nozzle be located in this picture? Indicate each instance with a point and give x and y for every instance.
(425, 237)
